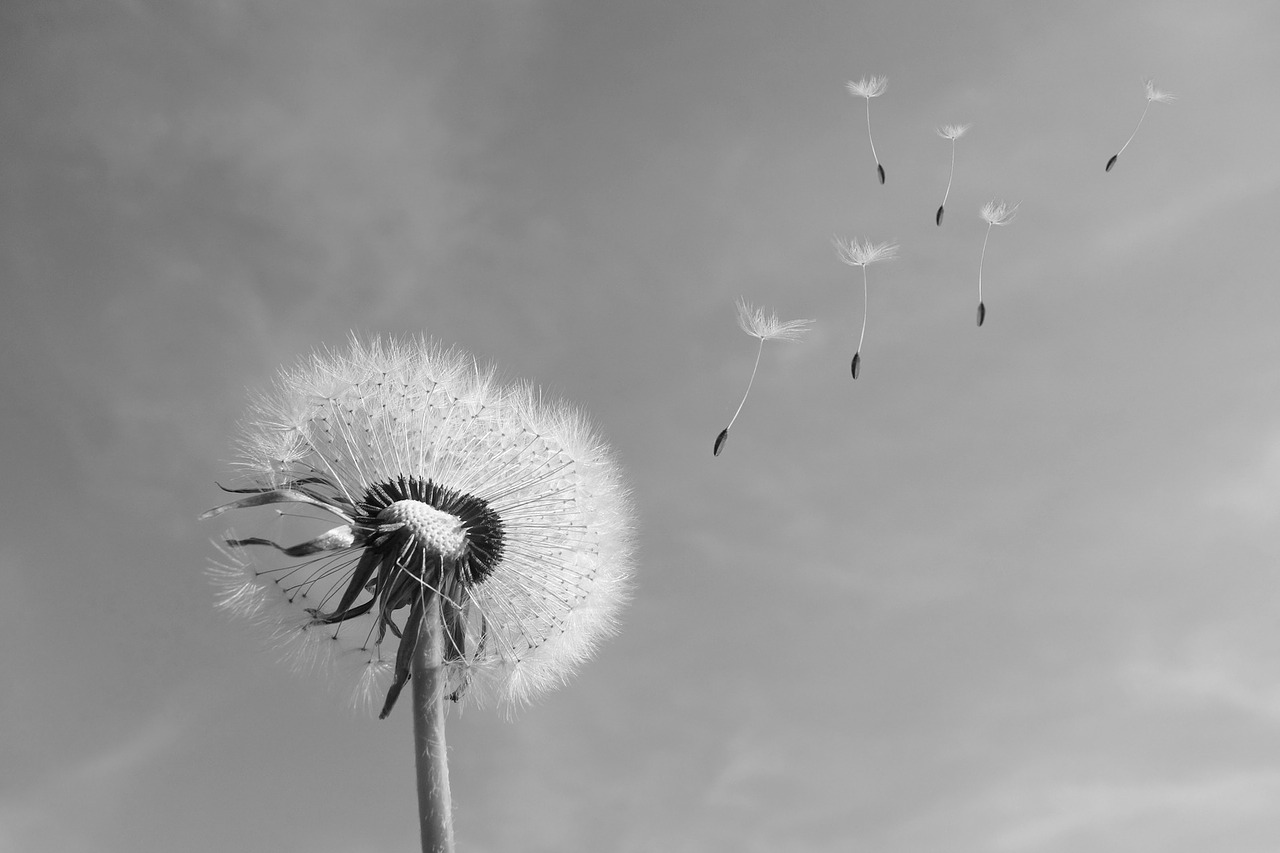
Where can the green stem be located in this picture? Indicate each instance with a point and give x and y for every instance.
(435, 807)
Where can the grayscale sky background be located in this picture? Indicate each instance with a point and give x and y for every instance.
(1015, 590)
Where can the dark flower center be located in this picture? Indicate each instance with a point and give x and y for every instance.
(474, 557)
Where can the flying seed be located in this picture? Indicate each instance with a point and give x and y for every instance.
(859, 254)
(950, 132)
(764, 327)
(870, 88)
(1154, 96)
(993, 214)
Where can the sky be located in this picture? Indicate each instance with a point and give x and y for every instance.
(1012, 590)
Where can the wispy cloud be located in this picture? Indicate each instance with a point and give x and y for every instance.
(1253, 493)
(1138, 815)
(65, 810)
(1209, 668)
(1192, 206)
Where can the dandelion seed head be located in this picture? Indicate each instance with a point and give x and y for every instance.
(506, 505)
(953, 131)
(767, 327)
(861, 254)
(1154, 94)
(872, 87)
(998, 213)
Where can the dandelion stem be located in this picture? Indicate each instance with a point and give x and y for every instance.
(870, 139)
(1135, 129)
(864, 309)
(947, 194)
(435, 807)
(982, 259)
(751, 380)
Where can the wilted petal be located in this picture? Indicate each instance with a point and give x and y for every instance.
(332, 540)
(272, 496)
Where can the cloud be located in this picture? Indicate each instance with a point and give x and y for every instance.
(1252, 493)
(65, 811)
(1141, 815)
(1179, 214)
(1214, 667)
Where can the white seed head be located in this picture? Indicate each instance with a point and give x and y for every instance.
(767, 327)
(1154, 94)
(953, 131)
(861, 254)
(999, 213)
(872, 87)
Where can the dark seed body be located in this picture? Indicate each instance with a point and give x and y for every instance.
(939, 216)
(880, 170)
(856, 365)
(1112, 161)
(982, 313)
(720, 440)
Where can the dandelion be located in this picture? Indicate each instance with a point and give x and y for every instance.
(766, 327)
(952, 132)
(870, 88)
(1154, 95)
(483, 540)
(994, 214)
(857, 254)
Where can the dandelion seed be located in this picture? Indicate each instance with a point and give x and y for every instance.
(994, 214)
(857, 254)
(1154, 96)
(483, 541)
(952, 132)
(767, 327)
(870, 88)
